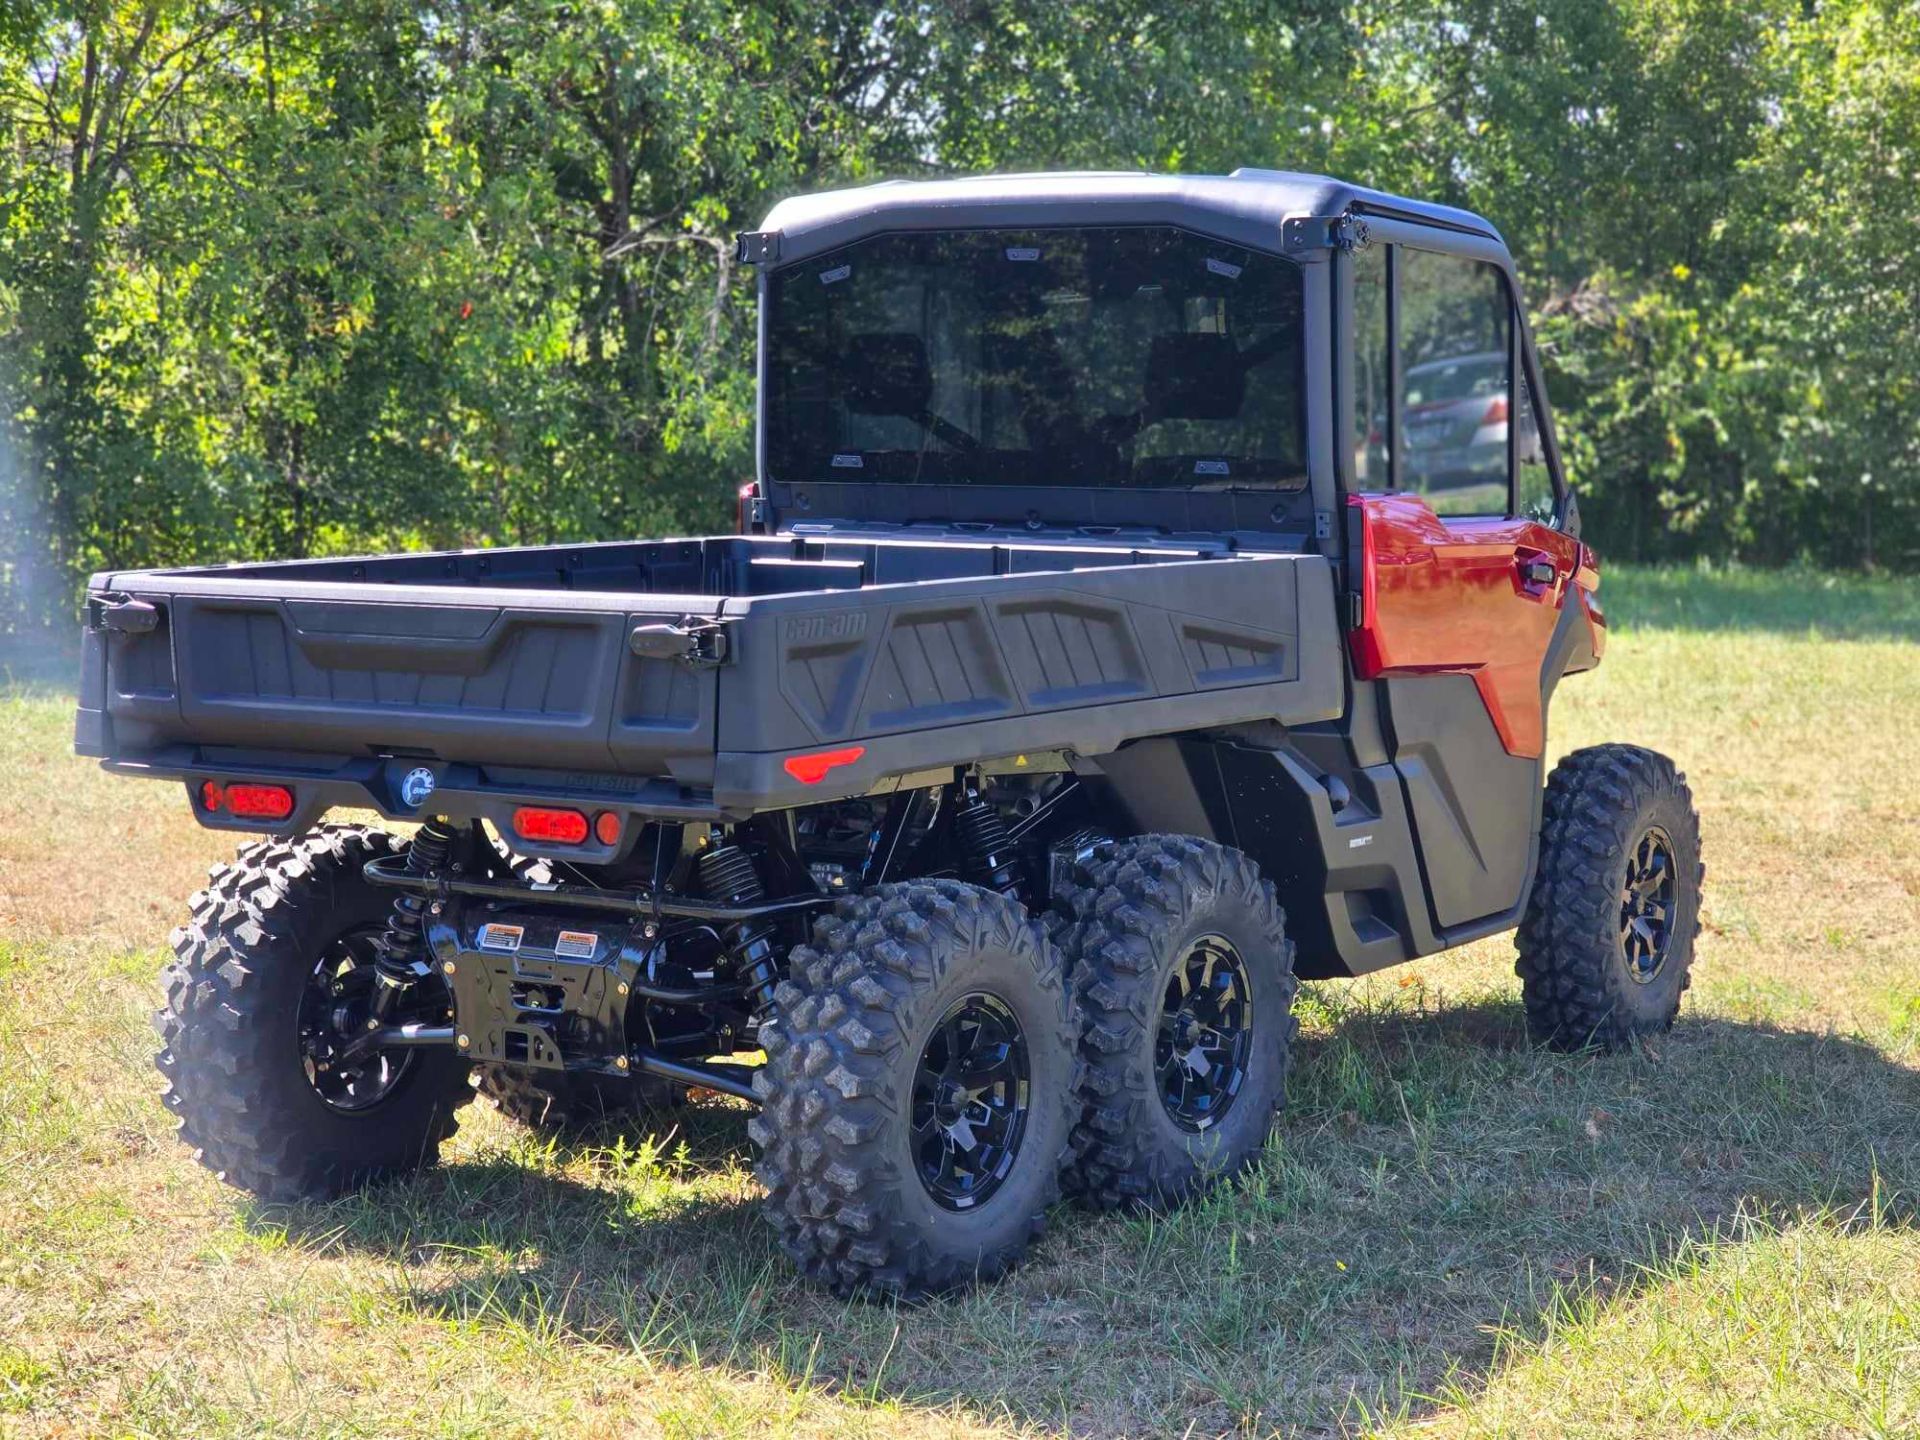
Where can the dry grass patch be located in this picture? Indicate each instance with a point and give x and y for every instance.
(1450, 1231)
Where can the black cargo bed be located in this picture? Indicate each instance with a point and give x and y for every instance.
(696, 668)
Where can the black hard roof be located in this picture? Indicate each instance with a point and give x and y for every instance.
(1246, 207)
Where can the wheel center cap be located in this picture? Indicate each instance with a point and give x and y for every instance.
(1189, 1041)
(952, 1101)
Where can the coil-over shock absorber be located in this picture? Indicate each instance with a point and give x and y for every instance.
(987, 845)
(728, 876)
(402, 955)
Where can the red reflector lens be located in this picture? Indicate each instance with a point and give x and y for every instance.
(556, 827)
(260, 802)
(211, 797)
(606, 828)
(812, 769)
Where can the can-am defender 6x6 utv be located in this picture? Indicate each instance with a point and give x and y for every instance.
(1151, 592)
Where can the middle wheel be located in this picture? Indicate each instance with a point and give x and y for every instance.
(1178, 950)
(918, 1089)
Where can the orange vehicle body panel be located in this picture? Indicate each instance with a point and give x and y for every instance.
(1454, 596)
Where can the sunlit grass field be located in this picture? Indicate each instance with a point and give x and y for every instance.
(1450, 1233)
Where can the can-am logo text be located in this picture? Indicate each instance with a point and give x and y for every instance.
(839, 625)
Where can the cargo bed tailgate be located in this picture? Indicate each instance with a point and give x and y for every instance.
(480, 676)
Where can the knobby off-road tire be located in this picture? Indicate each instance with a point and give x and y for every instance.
(1584, 979)
(1139, 913)
(230, 1043)
(838, 1151)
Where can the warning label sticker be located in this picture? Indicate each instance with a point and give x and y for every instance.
(576, 944)
(501, 937)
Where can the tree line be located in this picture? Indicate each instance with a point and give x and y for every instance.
(288, 277)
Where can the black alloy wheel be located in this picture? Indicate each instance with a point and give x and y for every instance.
(1646, 906)
(1206, 1034)
(334, 1007)
(970, 1099)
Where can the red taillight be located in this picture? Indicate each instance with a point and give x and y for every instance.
(257, 802)
(812, 769)
(1496, 411)
(606, 828)
(212, 797)
(555, 827)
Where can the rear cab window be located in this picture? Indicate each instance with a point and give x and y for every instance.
(1145, 358)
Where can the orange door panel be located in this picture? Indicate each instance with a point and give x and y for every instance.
(1466, 596)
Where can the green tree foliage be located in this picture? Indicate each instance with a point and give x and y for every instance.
(317, 275)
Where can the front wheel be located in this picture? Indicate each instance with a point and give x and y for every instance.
(918, 1090)
(1606, 945)
(271, 974)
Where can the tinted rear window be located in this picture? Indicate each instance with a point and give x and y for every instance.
(1149, 358)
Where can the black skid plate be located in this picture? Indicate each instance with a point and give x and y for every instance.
(539, 988)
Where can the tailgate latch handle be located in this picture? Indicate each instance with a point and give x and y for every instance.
(695, 643)
(130, 617)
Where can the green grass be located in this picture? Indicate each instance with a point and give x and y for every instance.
(1801, 603)
(1450, 1231)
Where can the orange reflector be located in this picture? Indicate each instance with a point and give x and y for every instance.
(259, 802)
(606, 828)
(556, 827)
(812, 769)
(211, 796)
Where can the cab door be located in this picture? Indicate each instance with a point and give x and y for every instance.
(1469, 589)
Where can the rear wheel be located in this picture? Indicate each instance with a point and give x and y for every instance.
(1179, 953)
(1606, 946)
(271, 977)
(918, 1090)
